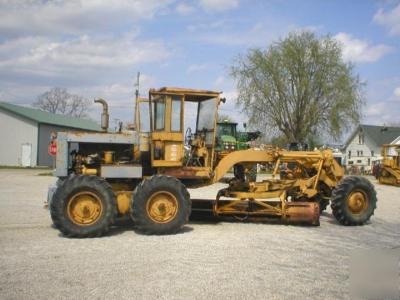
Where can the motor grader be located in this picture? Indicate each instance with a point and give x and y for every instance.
(145, 174)
(389, 172)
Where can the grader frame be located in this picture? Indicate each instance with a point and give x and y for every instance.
(146, 173)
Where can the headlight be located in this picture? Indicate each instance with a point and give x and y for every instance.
(233, 147)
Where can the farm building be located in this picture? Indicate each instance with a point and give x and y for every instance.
(25, 134)
(363, 148)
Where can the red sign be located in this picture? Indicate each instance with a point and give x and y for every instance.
(52, 150)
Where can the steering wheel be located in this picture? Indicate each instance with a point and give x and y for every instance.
(188, 136)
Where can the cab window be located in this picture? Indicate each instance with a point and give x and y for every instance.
(159, 113)
(176, 114)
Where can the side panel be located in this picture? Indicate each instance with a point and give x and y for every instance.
(15, 131)
(64, 139)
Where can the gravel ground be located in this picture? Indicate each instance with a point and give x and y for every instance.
(207, 260)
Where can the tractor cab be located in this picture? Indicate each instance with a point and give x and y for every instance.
(226, 136)
(185, 151)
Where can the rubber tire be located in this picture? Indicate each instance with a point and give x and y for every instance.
(144, 224)
(80, 183)
(239, 173)
(323, 204)
(339, 200)
(252, 174)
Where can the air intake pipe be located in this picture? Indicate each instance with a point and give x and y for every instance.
(104, 115)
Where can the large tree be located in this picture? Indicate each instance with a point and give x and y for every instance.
(60, 101)
(299, 87)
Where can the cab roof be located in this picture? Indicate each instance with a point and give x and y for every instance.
(190, 94)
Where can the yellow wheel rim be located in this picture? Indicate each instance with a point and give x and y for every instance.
(357, 202)
(84, 208)
(162, 207)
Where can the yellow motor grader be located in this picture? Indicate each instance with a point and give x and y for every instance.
(145, 174)
(389, 172)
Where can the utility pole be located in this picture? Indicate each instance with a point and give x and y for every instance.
(137, 85)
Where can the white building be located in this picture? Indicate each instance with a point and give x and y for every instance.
(25, 134)
(363, 148)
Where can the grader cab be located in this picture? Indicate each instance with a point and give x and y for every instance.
(389, 172)
(145, 174)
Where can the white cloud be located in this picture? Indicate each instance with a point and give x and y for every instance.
(375, 109)
(84, 57)
(396, 92)
(22, 18)
(360, 50)
(184, 8)
(218, 5)
(390, 19)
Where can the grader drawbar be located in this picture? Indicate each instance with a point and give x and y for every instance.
(146, 172)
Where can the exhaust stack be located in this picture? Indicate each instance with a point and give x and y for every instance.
(104, 115)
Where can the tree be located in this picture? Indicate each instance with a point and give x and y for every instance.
(299, 87)
(59, 101)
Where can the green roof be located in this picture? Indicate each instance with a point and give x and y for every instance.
(50, 118)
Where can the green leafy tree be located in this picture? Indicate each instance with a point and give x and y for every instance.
(299, 87)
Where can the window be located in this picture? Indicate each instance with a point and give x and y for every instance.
(372, 153)
(361, 138)
(176, 114)
(144, 117)
(159, 113)
(350, 162)
(349, 153)
(359, 161)
(369, 161)
(206, 115)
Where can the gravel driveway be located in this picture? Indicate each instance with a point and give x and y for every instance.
(208, 260)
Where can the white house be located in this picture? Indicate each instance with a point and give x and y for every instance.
(363, 147)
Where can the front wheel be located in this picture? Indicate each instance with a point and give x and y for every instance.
(353, 201)
(160, 205)
(83, 206)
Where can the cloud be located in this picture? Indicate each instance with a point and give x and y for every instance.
(85, 58)
(360, 50)
(390, 19)
(184, 8)
(22, 18)
(258, 34)
(396, 92)
(218, 5)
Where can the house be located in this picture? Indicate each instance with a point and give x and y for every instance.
(363, 147)
(25, 134)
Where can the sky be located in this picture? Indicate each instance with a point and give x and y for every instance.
(95, 48)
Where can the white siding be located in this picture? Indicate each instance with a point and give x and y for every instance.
(15, 131)
(359, 159)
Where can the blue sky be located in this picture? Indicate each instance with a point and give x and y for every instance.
(94, 48)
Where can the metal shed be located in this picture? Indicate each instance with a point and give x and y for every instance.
(25, 134)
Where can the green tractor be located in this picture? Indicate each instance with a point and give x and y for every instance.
(228, 139)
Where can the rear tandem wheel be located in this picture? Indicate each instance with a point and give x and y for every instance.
(160, 205)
